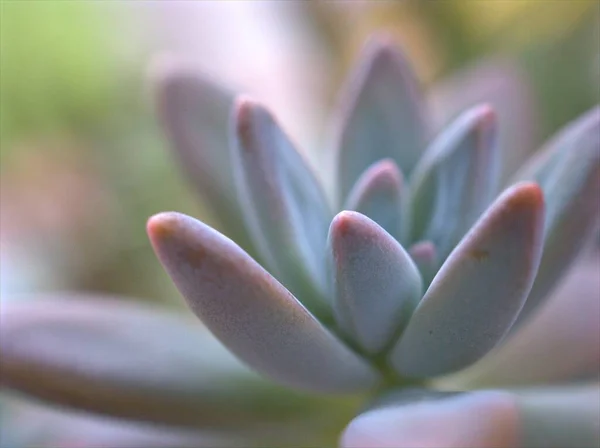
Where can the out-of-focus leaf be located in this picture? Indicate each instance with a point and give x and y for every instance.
(377, 285)
(425, 257)
(483, 419)
(480, 289)
(29, 425)
(252, 313)
(455, 180)
(378, 194)
(501, 83)
(195, 112)
(561, 343)
(382, 115)
(566, 417)
(141, 363)
(285, 208)
(568, 171)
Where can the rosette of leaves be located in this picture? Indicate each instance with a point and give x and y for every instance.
(368, 300)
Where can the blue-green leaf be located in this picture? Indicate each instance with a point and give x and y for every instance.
(480, 289)
(567, 417)
(284, 205)
(561, 343)
(455, 180)
(502, 83)
(377, 285)
(382, 115)
(378, 194)
(195, 111)
(426, 258)
(568, 171)
(251, 312)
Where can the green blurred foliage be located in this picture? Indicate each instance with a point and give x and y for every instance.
(58, 68)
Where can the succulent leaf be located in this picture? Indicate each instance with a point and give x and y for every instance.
(195, 111)
(455, 180)
(425, 257)
(483, 419)
(377, 285)
(136, 362)
(382, 115)
(568, 171)
(567, 417)
(378, 194)
(569, 324)
(252, 313)
(530, 418)
(284, 205)
(503, 84)
(479, 290)
(30, 424)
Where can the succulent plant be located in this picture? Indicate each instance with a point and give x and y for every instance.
(372, 298)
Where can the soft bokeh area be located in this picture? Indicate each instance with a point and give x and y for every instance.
(84, 162)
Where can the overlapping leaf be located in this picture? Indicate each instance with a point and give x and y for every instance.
(559, 344)
(136, 362)
(568, 170)
(455, 180)
(251, 312)
(284, 205)
(195, 114)
(501, 83)
(382, 115)
(379, 194)
(377, 285)
(477, 294)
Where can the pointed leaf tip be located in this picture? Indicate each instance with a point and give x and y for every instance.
(284, 206)
(250, 312)
(376, 283)
(248, 115)
(455, 180)
(480, 289)
(568, 171)
(378, 194)
(194, 111)
(382, 115)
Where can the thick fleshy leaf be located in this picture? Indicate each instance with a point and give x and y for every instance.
(559, 344)
(455, 180)
(195, 112)
(478, 292)
(382, 115)
(285, 208)
(501, 83)
(377, 285)
(251, 312)
(378, 194)
(568, 171)
(566, 417)
(32, 425)
(138, 362)
(425, 257)
(483, 419)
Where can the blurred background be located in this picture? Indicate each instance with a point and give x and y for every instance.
(83, 162)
